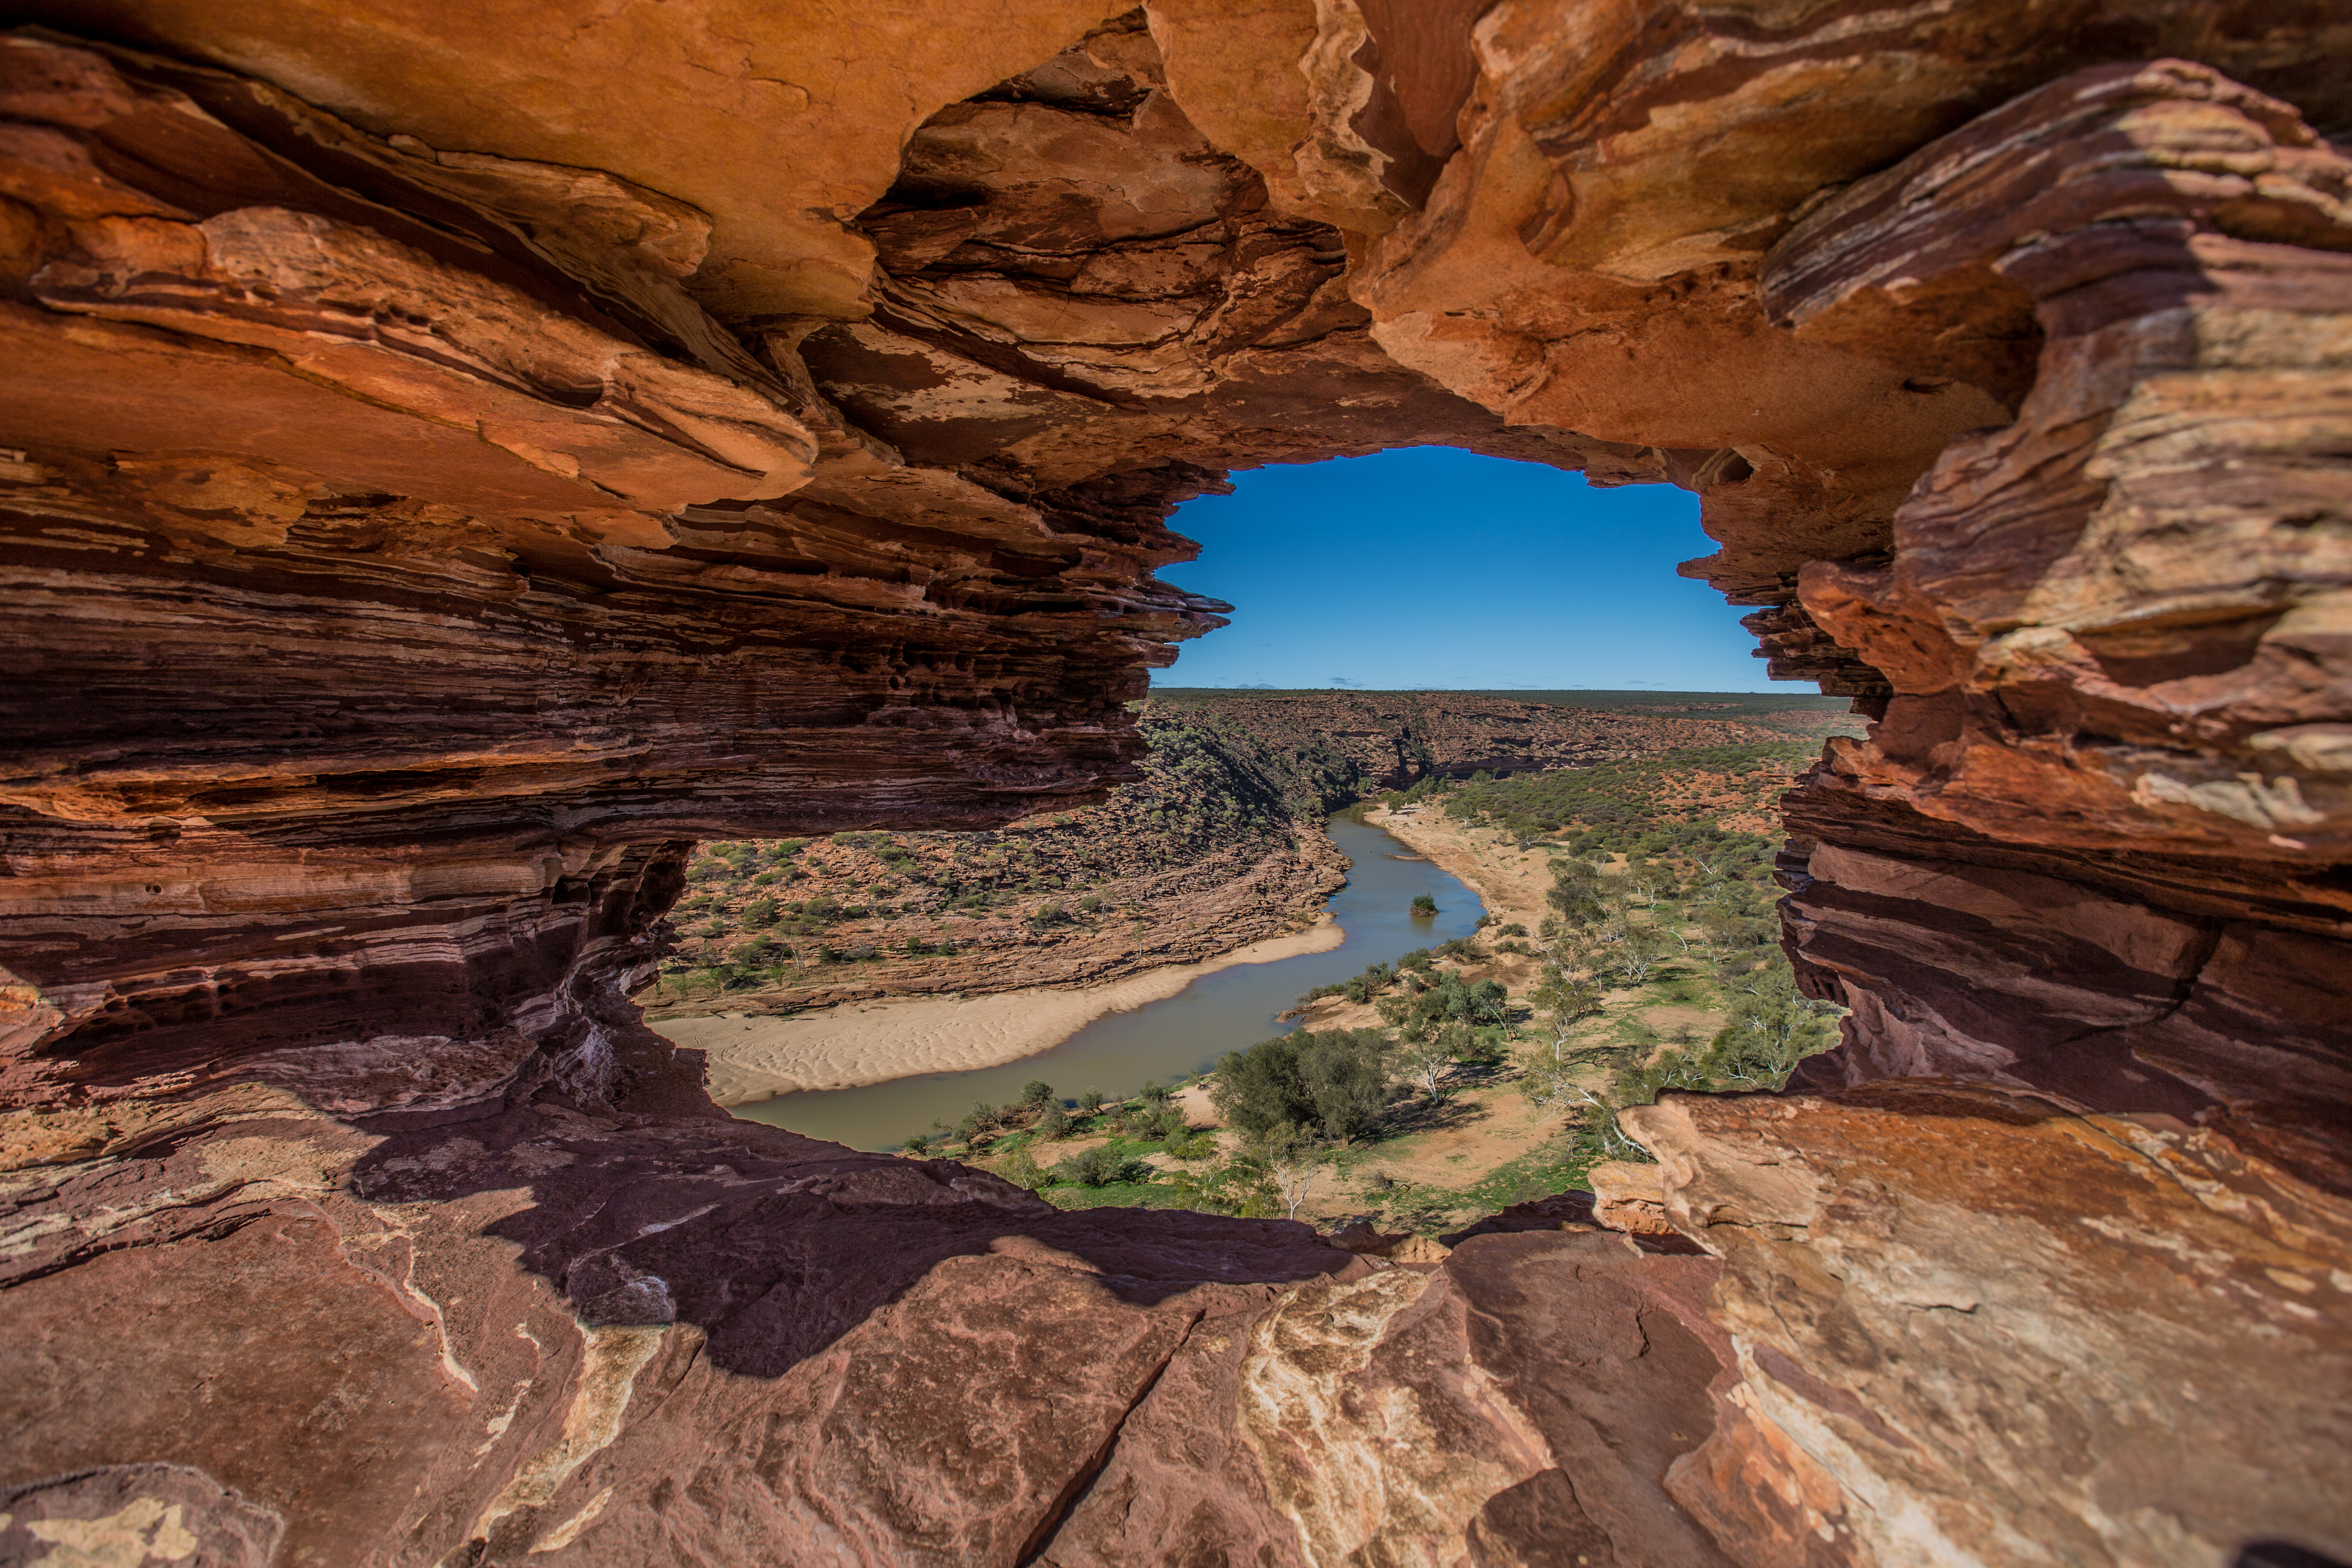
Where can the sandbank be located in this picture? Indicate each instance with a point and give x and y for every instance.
(1509, 884)
(859, 1043)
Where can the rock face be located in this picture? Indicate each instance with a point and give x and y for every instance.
(1219, 845)
(455, 462)
(2014, 1343)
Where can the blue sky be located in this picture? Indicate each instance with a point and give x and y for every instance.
(1427, 567)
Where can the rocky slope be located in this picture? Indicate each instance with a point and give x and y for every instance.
(1218, 844)
(457, 459)
(1362, 742)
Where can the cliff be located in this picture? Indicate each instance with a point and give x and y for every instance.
(456, 457)
(1218, 844)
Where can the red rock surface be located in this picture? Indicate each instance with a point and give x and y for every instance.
(453, 461)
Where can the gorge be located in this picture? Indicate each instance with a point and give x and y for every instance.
(458, 459)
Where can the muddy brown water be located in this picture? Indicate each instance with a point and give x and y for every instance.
(1177, 1035)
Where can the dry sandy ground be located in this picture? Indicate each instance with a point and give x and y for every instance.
(1510, 882)
(856, 1044)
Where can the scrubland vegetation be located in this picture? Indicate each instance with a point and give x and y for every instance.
(798, 913)
(1655, 965)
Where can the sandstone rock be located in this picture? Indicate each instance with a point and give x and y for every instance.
(2096, 846)
(456, 460)
(127, 1513)
(1989, 1319)
(1362, 1240)
(1627, 1195)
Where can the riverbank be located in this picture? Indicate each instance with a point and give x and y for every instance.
(753, 1058)
(1218, 845)
(1511, 882)
(1164, 1039)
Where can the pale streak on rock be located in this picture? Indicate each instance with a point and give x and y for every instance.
(1354, 1465)
(612, 1357)
(2046, 1283)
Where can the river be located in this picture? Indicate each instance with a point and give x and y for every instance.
(1177, 1035)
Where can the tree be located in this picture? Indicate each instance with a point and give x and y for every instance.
(1022, 1169)
(1772, 1029)
(1427, 1055)
(1293, 1159)
(1336, 1079)
(1576, 892)
(1450, 999)
(1091, 1101)
(1242, 1186)
(1567, 1000)
(1053, 1124)
(1100, 1167)
(1036, 1094)
(1189, 1145)
(1637, 952)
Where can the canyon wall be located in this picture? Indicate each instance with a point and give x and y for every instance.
(456, 457)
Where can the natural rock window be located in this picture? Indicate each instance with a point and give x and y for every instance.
(452, 461)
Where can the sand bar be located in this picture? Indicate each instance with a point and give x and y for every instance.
(859, 1043)
(1510, 882)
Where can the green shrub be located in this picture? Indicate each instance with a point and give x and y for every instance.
(1022, 1170)
(1336, 1079)
(1454, 1000)
(1100, 1167)
(1036, 1093)
(1423, 905)
(1164, 1126)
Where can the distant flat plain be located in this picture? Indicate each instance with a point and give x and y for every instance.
(1713, 704)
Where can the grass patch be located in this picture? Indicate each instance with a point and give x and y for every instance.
(1557, 1166)
(1116, 1195)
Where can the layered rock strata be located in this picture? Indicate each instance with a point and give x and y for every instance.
(1218, 845)
(454, 460)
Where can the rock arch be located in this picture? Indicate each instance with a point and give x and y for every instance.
(454, 463)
